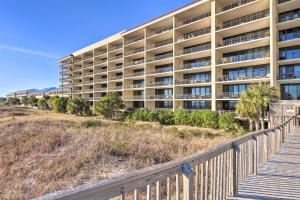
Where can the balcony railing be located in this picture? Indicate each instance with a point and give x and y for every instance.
(136, 62)
(77, 60)
(117, 88)
(139, 85)
(160, 57)
(244, 38)
(205, 63)
(289, 16)
(99, 53)
(116, 57)
(87, 65)
(134, 51)
(191, 81)
(231, 5)
(244, 57)
(295, 75)
(282, 1)
(101, 80)
(228, 95)
(100, 62)
(87, 57)
(98, 71)
(159, 96)
(221, 112)
(135, 97)
(193, 34)
(194, 49)
(244, 19)
(100, 89)
(243, 76)
(88, 82)
(159, 31)
(88, 73)
(115, 78)
(193, 19)
(77, 68)
(133, 40)
(135, 74)
(88, 91)
(161, 44)
(113, 48)
(77, 83)
(159, 83)
(115, 67)
(193, 96)
(161, 70)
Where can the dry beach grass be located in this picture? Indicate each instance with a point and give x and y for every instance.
(41, 152)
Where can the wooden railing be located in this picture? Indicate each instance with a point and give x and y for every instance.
(210, 174)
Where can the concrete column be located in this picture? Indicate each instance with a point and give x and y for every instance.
(274, 69)
(213, 55)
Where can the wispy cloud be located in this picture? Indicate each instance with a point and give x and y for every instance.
(27, 51)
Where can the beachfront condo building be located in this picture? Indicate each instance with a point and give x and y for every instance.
(200, 56)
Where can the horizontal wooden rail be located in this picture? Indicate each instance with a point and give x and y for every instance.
(211, 174)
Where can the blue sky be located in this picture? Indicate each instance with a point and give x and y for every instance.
(35, 33)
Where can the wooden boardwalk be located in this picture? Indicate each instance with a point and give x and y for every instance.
(279, 178)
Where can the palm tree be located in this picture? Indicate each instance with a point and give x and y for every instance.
(254, 103)
(246, 109)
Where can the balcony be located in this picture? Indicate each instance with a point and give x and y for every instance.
(294, 75)
(160, 44)
(160, 31)
(134, 51)
(100, 62)
(88, 73)
(251, 21)
(77, 83)
(116, 47)
(77, 68)
(191, 81)
(159, 83)
(232, 5)
(289, 16)
(114, 78)
(193, 34)
(195, 49)
(115, 58)
(228, 95)
(117, 67)
(193, 96)
(87, 57)
(245, 57)
(135, 74)
(201, 64)
(135, 97)
(193, 19)
(88, 91)
(101, 80)
(160, 96)
(88, 82)
(77, 91)
(99, 53)
(244, 38)
(99, 71)
(77, 60)
(100, 89)
(242, 77)
(133, 86)
(160, 57)
(117, 88)
(160, 70)
(134, 63)
(133, 40)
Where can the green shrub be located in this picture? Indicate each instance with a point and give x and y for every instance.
(79, 106)
(90, 123)
(195, 118)
(181, 117)
(110, 105)
(144, 115)
(60, 104)
(12, 101)
(166, 117)
(33, 101)
(42, 104)
(25, 100)
(228, 122)
(209, 119)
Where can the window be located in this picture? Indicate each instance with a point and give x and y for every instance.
(200, 62)
(229, 105)
(196, 48)
(289, 53)
(163, 104)
(290, 92)
(289, 71)
(198, 76)
(246, 72)
(235, 89)
(289, 15)
(165, 92)
(197, 91)
(167, 79)
(289, 34)
(197, 104)
(249, 54)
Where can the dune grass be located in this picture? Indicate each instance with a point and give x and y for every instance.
(42, 152)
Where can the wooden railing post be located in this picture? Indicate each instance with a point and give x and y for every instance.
(255, 155)
(235, 153)
(187, 182)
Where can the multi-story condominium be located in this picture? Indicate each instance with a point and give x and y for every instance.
(39, 93)
(200, 56)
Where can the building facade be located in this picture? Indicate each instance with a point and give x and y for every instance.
(200, 56)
